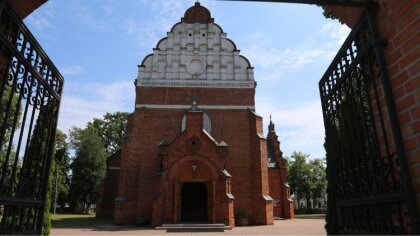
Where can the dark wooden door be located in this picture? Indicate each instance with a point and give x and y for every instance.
(194, 202)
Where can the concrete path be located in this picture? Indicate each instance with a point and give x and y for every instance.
(280, 227)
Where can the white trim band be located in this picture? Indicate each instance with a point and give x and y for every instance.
(197, 83)
(210, 107)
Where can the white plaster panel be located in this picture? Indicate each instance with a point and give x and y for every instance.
(221, 61)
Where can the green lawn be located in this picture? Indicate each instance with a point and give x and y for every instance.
(310, 216)
(77, 221)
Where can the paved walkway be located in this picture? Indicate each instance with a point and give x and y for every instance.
(280, 227)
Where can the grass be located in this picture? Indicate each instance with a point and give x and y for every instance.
(310, 216)
(77, 221)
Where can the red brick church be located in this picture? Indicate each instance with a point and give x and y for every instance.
(194, 149)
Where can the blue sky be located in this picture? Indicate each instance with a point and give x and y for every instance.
(97, 45)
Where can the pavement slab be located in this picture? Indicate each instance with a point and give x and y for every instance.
(281, 227)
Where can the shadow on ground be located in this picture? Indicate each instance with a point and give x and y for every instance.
(70, 221)
(79, 222)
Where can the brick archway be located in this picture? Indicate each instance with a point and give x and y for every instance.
(189, 170)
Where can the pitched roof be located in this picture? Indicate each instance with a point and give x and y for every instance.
(271, 158)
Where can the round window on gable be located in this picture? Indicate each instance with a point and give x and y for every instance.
(206, 123)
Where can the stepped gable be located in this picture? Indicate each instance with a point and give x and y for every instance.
(196, 53)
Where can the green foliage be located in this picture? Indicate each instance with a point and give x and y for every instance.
(88, 166)
(327, 14)
(9, 101)
(306, 178)
(61, 168)
(46, 224)
(319, 179)
(299, 174)
(111, 129)
(92, 146)
(331, 221)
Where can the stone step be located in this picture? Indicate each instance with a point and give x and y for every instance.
(193, 227)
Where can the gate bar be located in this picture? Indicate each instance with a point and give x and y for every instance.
(395, 125)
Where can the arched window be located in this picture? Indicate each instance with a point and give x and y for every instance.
(206, 123)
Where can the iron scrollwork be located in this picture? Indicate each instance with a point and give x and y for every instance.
(367, 189)
(30, 94)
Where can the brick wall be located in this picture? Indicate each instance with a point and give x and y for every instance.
(275, 191)
(237, 127)
(206, 96)
(279, 190)
(109, 187)
(259, 175)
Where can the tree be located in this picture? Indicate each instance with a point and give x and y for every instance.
(88, 166)
(9, 106)
(319, 181)
(92, 145)
(111, 129)
(307, 178)
(327, 14)
(61, 169)
(299, 175)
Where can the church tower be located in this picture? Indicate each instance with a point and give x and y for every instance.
(194, 149)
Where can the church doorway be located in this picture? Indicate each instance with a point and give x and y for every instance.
(194, 202)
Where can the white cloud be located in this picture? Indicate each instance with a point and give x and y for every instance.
(83, 14)
(72, 70)
(38, 22)
(274, 63)
(148, 33)
(300, 128)
(84, 101)
(42, 19)
(336, 32)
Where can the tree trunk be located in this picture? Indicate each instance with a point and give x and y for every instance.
(298, 201)
(308, 204)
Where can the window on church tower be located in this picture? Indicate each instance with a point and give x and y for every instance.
(206, 123)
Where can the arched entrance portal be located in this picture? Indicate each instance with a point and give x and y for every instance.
(195, 187)
(194, 202)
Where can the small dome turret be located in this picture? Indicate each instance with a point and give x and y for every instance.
(197, 14)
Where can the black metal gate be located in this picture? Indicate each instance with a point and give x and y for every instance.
(369, 187)
(30, 93)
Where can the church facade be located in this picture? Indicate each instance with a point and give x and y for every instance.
(194, 149)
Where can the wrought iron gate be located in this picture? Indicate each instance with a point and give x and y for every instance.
(30, 93)
(369, 187)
